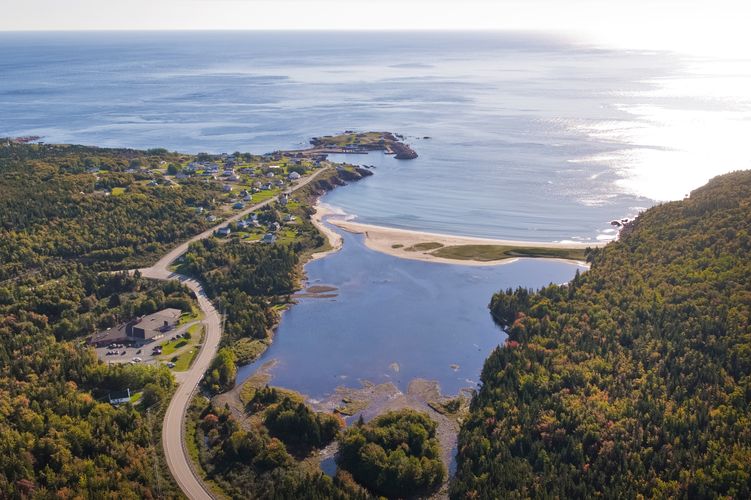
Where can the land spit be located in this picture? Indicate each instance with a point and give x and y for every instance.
(443, 248)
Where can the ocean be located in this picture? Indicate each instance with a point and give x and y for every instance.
(531, 136)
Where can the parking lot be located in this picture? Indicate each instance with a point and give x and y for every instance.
(120, 353)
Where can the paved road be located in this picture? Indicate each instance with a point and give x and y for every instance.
(178, 460)
(164, 263)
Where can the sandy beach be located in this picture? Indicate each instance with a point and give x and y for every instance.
(402, 243)
(335, 240)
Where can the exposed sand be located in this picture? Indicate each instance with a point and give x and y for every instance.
(384, 239)
(335, 241)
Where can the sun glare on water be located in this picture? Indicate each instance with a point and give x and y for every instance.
(684, 132)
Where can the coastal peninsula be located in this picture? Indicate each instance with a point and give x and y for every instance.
(447, 249)
(364, 142)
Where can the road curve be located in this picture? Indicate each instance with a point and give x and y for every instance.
(178, 460)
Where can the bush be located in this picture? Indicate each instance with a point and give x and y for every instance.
(296, 424)
(222, 372)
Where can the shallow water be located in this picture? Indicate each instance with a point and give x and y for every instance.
(394, 320)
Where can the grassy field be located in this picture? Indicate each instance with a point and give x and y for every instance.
(186, 348)
(265, 195)
(247, 350)
(185, 359)
(135, 398)
(350, 139)
(500, 252)
(173, 345)
(195, 315)
(119, 191)
(424, 247)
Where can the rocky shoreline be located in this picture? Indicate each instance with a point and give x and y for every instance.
(361, 143)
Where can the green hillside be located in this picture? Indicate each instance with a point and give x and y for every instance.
(634, 378)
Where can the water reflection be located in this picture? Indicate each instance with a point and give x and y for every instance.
(394, 320)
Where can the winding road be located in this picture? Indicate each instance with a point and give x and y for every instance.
(173, 426)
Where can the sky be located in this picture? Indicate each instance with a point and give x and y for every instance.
(692, 26)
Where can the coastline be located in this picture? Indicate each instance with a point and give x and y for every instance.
(401, 242)
(334, 240)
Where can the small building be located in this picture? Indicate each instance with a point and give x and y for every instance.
(293, 176)
(239, 205)
(274, 226)
(268, 238)
(226, 188)
(211, 218)
(119, 398)
(223, 231)
(283, 199)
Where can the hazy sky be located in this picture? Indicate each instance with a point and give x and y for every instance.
(698, 26)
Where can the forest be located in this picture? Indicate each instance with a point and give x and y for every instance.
(60, 435)
(56, 208)
(272, 451)
(396, 454)
(262, 454)
(249, 283)
(634, 379)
